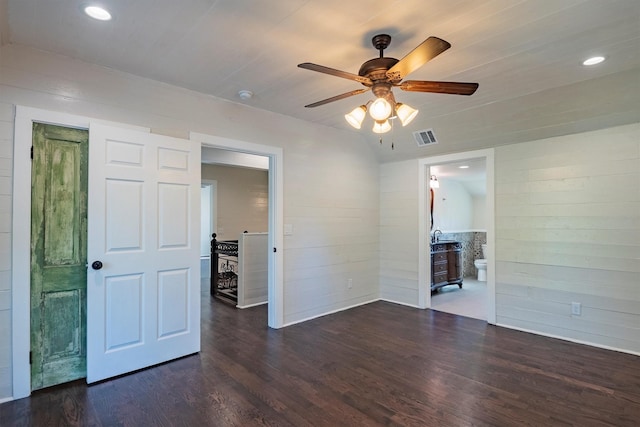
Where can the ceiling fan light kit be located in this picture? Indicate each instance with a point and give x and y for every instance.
(381, 126)
(405, 113)
(356, 116)
(382, 74)
(380, 109)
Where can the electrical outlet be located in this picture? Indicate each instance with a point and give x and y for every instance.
(576, 308)
(349, 283)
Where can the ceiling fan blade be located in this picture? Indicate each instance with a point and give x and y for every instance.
(429, 49)
(333, 72)
(453, 88)
(337, 97)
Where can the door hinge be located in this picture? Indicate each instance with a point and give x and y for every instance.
(32, 152)
(30, 358)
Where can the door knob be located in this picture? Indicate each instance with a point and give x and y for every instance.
(96, 265)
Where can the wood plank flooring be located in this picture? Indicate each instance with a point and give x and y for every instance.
(379, 364)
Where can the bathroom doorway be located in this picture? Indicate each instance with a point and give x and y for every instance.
(457, 215)
(457, 212)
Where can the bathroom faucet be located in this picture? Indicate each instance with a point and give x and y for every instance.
(435, 237)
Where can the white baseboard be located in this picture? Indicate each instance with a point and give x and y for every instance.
(330, 312)
(401, 303)
(591, 344)
(252, 305)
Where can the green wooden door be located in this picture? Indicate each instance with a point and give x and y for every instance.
(58, 255)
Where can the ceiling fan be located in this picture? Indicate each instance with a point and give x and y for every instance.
(382, 74)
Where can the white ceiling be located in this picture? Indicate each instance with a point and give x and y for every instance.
(525, 54)
(471, 174)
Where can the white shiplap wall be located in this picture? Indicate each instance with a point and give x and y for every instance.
(332, 208)
(6, 156)
(399, 232)
(568, 230)
(330, 176)
(253, 273)
(242, 199)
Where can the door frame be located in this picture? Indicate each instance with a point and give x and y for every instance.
(21, 232)
(424, 266)
(212, 186)
(276, 217)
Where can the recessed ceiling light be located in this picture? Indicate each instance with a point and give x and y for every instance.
(97, 12)
(593, 60)
(463, 167)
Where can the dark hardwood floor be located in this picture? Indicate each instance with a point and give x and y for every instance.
(379, 364)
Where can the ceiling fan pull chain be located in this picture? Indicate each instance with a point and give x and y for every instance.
(392, 135)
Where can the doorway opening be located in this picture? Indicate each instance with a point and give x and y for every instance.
(237, 152)
(458, 237)
(453, 238)
(236, 261)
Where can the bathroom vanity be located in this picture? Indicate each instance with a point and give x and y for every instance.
(446, 264)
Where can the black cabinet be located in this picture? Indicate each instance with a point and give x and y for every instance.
(446, 264)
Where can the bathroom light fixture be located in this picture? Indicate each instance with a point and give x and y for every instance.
(463, 167)
(381, 111)
(97, 12)
(433, 182)
(594, 60)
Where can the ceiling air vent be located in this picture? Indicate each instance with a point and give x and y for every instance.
(425, 137)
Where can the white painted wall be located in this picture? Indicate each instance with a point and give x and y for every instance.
(6, 162)
(242, 202)
(253, 250)
(479, 221)
(206, 220)
(567, 218)
(330, 184)
(399, 232)
(452, 207)
(568, 230)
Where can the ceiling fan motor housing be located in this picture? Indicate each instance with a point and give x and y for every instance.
(376, 69)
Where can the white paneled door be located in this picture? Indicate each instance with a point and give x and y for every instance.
(143, 290)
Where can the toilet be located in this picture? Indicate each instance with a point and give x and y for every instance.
(481, 265)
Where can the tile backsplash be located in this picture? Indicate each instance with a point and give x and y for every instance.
(471, 248)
